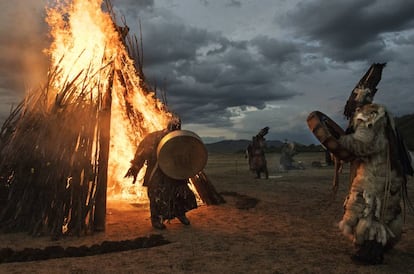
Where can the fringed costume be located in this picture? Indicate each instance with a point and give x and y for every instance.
(169, 198)
(373, 214)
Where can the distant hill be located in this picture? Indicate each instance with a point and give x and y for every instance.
(233, 146)
(405, 124)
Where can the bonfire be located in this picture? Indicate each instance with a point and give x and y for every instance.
(66, 147)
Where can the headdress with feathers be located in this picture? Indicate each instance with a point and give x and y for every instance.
(365, 90)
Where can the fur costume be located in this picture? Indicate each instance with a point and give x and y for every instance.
(373, 206)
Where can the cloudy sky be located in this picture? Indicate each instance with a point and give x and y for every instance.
(232, 67)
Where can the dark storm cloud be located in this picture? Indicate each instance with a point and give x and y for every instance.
(236, 80)
(209, 105)
(170, 43)
(205, 73)
(350, 30)
(276, 51)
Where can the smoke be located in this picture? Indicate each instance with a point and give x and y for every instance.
(23, 37)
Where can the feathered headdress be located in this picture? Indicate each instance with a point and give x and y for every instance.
(364, 91)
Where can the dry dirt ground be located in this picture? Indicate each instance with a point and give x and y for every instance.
(292, 229)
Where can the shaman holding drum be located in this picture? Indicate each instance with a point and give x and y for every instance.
(372, 210)
(379, 165)
(373, 214)
(169, 197)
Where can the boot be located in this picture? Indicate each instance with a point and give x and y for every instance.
(369, 253)
(157, 223)
(183, 219)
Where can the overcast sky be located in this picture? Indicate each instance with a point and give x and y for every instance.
(232, 67)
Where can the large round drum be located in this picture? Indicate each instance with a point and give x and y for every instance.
(181, 154)
(328, 133)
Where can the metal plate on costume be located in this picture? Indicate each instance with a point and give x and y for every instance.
(328, 133)
(181, 154)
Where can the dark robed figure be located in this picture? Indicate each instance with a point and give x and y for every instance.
(169, 198)
(255, 152)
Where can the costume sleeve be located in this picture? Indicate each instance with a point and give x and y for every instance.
(363, 147)
(147, 148)
(143, 152)
(139, 158)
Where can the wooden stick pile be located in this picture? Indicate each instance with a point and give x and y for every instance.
(49, 161)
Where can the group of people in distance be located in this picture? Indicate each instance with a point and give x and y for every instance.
(255, 153)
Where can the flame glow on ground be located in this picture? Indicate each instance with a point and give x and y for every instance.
(87, 49)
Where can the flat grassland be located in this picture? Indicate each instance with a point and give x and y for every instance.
(292, 229)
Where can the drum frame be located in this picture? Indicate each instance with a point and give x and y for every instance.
(181, 154)
(328, 132)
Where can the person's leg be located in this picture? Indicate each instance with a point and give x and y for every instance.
(156, 218)
(370, 252)
(183, 219)
(184, 201)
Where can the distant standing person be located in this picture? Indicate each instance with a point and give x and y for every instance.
(256, 154)
(169, 198)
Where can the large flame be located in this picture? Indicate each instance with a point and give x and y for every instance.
(88, 49)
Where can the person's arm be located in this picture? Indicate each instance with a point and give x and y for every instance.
(138, 161)
(363, 142)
